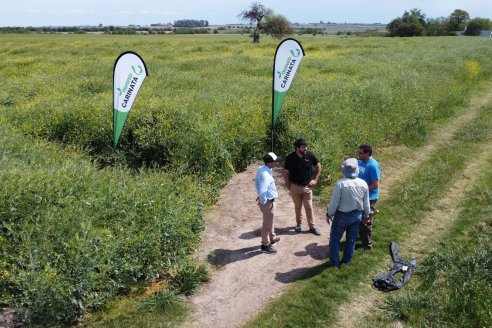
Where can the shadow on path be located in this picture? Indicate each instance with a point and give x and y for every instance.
(278, 231)
(316, 251)
(300, 273)
(222, 256)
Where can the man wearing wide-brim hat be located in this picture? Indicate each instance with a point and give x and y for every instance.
(348, 204)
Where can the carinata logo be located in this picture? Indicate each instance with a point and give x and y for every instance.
(140, 70)
(297, 52)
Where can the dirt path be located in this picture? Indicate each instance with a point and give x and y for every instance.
(245, 280)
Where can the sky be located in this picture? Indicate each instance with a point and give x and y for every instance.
(219, 12)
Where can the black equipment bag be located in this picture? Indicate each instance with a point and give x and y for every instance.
(385, 281)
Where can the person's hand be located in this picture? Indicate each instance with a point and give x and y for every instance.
(312, 183)
(329, 219)
(367, 219)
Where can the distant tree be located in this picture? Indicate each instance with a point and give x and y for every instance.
(255, 14)
(418, 14)
(311, 30)
(458, 20)
(277, 26)
(438, 27)
(410, 24)
(473, 28)
(487, 24)
(475, 25)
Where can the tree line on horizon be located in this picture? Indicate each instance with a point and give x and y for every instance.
(264, 20)
(415, 23)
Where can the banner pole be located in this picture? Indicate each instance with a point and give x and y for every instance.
(272, 139)
(273, 94)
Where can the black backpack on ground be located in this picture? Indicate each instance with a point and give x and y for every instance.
(386, 281)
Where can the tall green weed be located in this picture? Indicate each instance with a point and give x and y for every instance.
(73, 237)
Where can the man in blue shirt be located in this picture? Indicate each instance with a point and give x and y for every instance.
(267, 193)
(370, 172)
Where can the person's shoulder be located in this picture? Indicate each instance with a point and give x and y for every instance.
(262, 172)
(361, 182)
(340, 182)
(290, 157)
(345, 180)
(262, 169)
(373, 161)
(312, 155)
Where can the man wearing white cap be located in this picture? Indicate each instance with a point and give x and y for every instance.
(267, 193)
(349, 202)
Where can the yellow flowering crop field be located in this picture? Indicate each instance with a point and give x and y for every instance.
(203, 112)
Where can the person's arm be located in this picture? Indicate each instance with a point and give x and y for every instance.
(261, 188)
(286, 178)
(317, 172)
(374, 175)
(374, 184)
(367, 207)
(333, 205)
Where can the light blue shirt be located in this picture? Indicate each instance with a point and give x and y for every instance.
(349, 195)
(265, 185)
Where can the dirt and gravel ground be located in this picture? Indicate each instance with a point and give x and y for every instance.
(244, 279)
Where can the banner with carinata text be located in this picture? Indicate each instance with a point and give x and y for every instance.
(128, 75)
(288, 57)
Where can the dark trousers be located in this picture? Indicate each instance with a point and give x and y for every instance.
(347, 223)
(365, 234)
(365, 229)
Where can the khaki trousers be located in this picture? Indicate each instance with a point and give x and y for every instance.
(268, 211)
(302, 195)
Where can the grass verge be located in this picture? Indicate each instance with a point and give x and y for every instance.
(162, 310)
(455, 281)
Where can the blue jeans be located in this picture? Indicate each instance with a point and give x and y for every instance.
(348, 223)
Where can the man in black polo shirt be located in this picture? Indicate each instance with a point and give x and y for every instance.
(298, 176)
